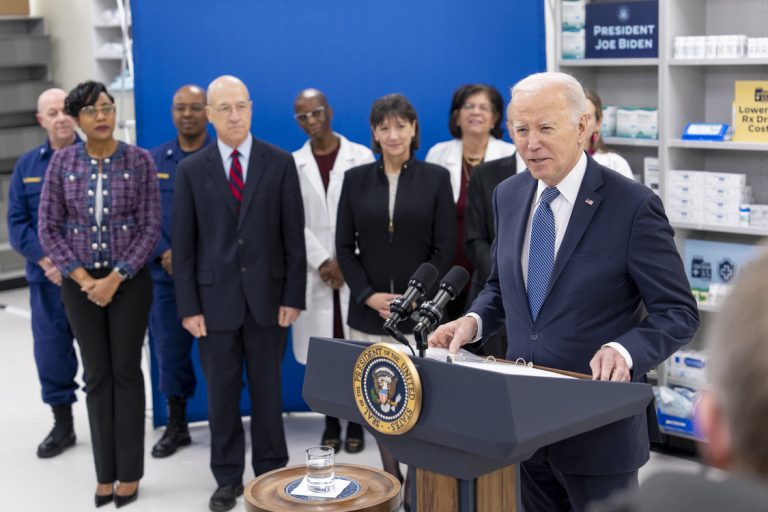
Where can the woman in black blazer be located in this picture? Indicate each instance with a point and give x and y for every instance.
(394, 215)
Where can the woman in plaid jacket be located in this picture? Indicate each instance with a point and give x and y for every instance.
(99, 221)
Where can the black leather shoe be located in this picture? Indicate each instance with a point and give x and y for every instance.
(332, 434)
(225, 498)
(172, 440)
(355, 441)
(177, 432)
(58, 440)
(103, 499)
(331, 442)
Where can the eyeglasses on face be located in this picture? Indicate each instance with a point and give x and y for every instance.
(90, 111)
(226, 110)
(53, 113)
(316, 113)
(483, 107)
(195, 108)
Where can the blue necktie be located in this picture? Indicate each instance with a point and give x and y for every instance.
(541, 255)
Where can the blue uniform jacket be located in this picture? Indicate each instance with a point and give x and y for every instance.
(23, 203)
(167, 157)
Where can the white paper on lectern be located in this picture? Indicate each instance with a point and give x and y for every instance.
(466, 358)
(513, 369)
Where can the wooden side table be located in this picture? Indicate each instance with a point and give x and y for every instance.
(370, 490)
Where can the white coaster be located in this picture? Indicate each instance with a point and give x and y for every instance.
(337, 487)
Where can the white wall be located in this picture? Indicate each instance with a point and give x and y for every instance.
(549, 21)
(69, 24)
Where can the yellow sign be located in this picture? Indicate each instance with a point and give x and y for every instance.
(750, 110)
(387, 389)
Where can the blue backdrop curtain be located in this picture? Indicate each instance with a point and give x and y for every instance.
(355, 51)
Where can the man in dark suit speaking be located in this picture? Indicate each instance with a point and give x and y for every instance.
(579, 252)
(239, 271)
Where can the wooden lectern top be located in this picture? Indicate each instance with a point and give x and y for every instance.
(378, 492)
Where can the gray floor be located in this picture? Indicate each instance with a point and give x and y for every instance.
(182, 482)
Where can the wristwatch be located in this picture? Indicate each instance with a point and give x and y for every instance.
(122, 273)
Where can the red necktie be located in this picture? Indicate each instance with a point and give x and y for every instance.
(236, 182)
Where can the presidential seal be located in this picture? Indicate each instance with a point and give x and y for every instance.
(387, 389)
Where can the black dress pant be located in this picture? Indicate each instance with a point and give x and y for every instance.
(546, 489)
(110, 340)
(222, 354)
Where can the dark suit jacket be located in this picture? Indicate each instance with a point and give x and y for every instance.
(424, 230)
(479, 230)
(223, 262)
(617, 255)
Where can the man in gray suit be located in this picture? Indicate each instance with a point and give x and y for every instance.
(240, 273)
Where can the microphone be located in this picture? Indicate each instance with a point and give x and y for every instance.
(431, 312)
(421, 281)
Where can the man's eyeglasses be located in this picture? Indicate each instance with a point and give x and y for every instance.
(195, 108)
(226, 110)
(90, 110)
(316, 113)
(483, 107)
(53, 114)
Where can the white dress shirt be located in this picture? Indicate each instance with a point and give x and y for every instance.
(245, 153)
(562, 207)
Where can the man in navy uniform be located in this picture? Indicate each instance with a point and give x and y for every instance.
(170, 342)
(53, 340)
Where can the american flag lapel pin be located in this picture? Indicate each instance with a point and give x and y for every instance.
(589, 201)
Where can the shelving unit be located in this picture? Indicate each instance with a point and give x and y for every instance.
(626, 141)
(684, 91)
(25, 52)
(112, 50)
(107, 31)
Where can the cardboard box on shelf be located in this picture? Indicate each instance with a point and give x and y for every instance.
(686, 177)
(651, 175)
(686, 215)
(14, 7)
(724, 179)
(689, 366)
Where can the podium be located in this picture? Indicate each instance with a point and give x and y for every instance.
(468, 438)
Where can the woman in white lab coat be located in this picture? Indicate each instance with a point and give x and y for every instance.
(596, 146)
(475, 123)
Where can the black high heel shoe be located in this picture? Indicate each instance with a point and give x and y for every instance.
(102, 499)
(121, 501)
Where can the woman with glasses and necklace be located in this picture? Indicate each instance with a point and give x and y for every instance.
(475, 123)
(99, 221)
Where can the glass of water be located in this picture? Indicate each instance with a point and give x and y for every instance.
(320, 471)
